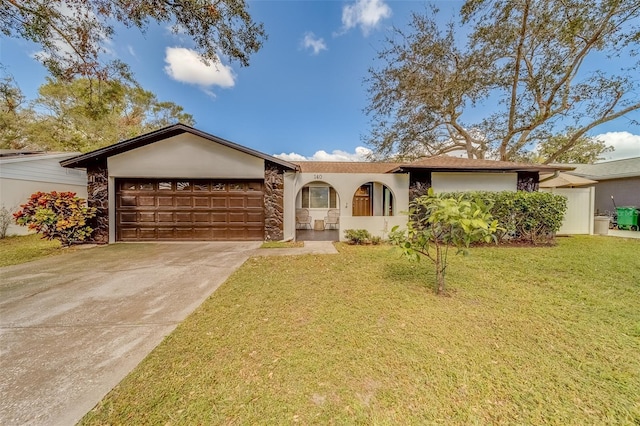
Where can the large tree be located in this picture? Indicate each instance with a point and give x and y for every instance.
(587, 150)
(82, 115)
(510, 76)
(73, 33)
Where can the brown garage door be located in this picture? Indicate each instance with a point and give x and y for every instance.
(189, 210)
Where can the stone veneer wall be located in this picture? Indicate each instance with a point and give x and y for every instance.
(273, 202)
(98, 197)
(528, 181)
(419, 184)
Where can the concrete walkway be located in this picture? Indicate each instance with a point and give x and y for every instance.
(73, 326)
(310, 247)
(623, 234)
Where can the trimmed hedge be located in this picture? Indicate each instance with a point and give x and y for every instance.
(533, 217)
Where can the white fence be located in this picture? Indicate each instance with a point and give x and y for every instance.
(579, 218)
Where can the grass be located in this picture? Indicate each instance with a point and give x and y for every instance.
(545, 335)
(25, 248)
(282, 244)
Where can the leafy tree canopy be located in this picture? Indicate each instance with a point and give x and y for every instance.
(83, 115)
(510, 75)
(586, 150)
(72, 33)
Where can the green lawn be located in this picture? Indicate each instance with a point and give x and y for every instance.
(546, 335)
(20, 249)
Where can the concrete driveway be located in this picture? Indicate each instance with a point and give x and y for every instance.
(73, 326)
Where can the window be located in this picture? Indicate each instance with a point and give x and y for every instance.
(319, 197)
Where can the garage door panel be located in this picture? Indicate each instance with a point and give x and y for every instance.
(189, 210)
(236, 202)
(128, 217)
(202, 217)
(164, 201)
(183, 201)
(184, 233)
(183, 217)
(128, 200)
(201, 202)
(254, 218)
(237, 217)
(219, 217)
(219, 202)
(166, 233)
(202, 233)
(146, 201)
(254, 202)
(128, 233)
(147, 217)
(147, 233)
(165, 217)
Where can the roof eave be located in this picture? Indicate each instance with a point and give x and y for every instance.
(83, 160)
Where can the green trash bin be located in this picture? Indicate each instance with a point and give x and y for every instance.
(628, 218)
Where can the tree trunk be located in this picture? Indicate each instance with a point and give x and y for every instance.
(440, 267)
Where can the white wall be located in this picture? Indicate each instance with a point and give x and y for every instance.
(346, 185)
(289, 214)
(22, 176)
(186, 156)
(15, 192)
(473, 181)
(41, 168)
(579, 218)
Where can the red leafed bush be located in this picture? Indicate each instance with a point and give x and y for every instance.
(57, 215)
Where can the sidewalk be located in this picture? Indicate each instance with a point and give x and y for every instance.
(310, 247)
(623, 234)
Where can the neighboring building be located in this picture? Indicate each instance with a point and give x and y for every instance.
(619, 178)
(179, 183)
(23, 173)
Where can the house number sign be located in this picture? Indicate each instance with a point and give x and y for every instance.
(317, 176)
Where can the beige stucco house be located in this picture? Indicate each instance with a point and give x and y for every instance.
(179, 183)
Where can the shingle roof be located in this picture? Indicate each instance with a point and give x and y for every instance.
(344, 167)
(629, 167)
(445, 163)
(442, 163)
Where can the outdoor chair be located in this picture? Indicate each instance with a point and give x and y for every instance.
(332, 219)
(303, 220)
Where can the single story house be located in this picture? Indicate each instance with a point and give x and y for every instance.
(618, 178)
(23, 173)
(179, 183)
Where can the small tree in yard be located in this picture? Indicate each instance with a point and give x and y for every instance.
(5, 221)
(57, 215)
(437, 223)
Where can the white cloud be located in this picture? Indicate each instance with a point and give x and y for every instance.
(360, 154)
(310, 41)
(365, 14)
(186, 66)
(627, 145)
(132, 52)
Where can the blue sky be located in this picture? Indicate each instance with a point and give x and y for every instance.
(303, 94)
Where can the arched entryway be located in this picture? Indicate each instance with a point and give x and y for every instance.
(317, 212)
(373, 199)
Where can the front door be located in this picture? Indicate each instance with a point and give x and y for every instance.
(362, 201)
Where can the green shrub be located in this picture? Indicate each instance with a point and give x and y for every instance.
(439, 221)
(57, 215)
(357, 236)
(533, 217)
